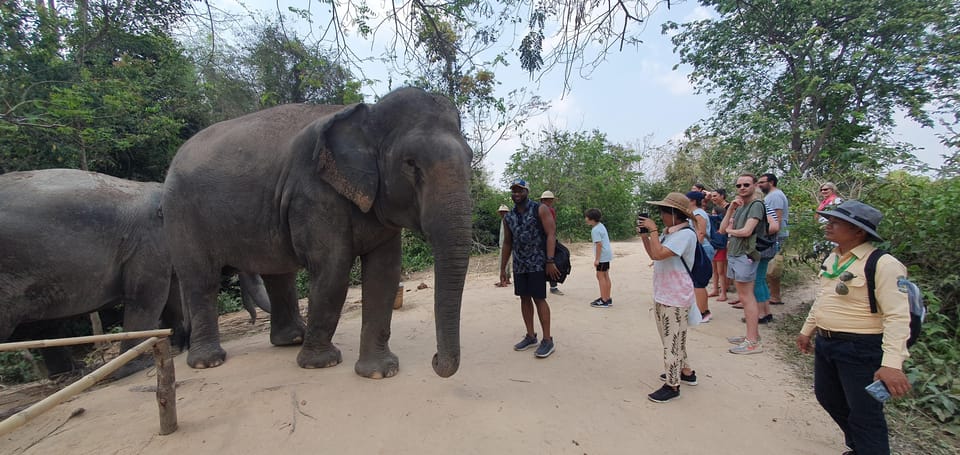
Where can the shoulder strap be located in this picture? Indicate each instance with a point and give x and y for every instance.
(689, 271)
(870, 270)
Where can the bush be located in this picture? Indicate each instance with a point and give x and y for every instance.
(228, 302)
(16, 368)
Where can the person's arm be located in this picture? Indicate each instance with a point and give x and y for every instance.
(752, 221)
(773, 222)
(701, 223)
(894, 306)
(550, 228)
(727, 222)
(506, 250)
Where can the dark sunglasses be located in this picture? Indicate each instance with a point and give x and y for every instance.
(743, 185)
(824, 189)
(841, 286)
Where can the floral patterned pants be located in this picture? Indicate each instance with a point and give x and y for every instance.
(672, 324)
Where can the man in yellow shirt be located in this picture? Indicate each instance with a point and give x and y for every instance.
(855, 347)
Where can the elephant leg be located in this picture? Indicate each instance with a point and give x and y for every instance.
(328, 291)
(381, 275)
(198, 291)
(145, 296)
(286, 325)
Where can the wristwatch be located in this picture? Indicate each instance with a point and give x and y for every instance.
(549, 259)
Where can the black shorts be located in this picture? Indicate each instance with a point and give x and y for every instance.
(533, 284)
(603, 266)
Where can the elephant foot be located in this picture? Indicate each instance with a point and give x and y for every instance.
(385, 365)
(287, 336)
(206, 358)
(140, 363)
(319, 358)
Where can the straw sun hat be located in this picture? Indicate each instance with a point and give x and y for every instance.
(675, 201)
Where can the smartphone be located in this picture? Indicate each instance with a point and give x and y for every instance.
(640, 217)
(878, 391)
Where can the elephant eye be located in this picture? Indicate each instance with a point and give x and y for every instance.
(411, 163)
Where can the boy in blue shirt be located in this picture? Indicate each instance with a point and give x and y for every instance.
(602, 257)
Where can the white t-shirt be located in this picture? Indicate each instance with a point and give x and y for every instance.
(672, 285)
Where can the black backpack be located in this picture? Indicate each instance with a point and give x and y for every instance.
(918, 311)
(764, 239)
(561, 258)
(702, 269)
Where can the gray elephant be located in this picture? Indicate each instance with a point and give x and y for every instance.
(74, 242)
(317, 186)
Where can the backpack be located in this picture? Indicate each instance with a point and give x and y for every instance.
(702, 269)
(561, 258)
(918, 311)
(717, 240)
(561, 255)
(764, 239)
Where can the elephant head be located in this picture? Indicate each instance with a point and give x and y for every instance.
(406, 159)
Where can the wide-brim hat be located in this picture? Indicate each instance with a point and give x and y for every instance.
(503, 208)
(858, 214)
(547, 195)
(675, 201)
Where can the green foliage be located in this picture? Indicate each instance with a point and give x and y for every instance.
(813, 87)
(228, 302)
(584, 171)
(919, 229)
(417, 253)
(15, 368)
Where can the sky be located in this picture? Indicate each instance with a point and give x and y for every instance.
(634, 94)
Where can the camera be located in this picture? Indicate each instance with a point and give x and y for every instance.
(640, 217)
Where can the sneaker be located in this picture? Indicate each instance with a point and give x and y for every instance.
(764, 320)
(664, 394)
(556, 291)
(747, 347)
(705, 317)
(688, 380)
(546, 348)
(602, 303)
(596, 301)
(736, 340)
(526, 343)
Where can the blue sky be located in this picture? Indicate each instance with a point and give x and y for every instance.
(633, 94)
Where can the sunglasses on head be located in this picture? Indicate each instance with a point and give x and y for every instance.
(743, 185)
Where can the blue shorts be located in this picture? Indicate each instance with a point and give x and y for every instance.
(533, 284)
(741, 268)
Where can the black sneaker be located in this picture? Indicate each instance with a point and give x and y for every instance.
(664, 394)
(526, 343)
(602, 303)
(546, 348)
(688, 380)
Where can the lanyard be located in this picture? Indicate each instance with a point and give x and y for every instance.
(836, 272)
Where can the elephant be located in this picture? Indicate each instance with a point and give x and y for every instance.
(73, 242)
(316, 186)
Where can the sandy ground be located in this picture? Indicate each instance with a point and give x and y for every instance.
(588, 398)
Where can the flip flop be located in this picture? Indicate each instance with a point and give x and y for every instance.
(714, 294)
(733, 302)
(737, 306)
(776, 303)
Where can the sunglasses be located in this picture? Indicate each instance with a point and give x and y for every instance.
(743, 185)
(824, 189)
(842, 286)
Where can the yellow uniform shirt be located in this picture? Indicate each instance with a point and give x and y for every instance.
(851, 312)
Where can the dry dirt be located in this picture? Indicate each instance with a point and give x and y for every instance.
(588, 398)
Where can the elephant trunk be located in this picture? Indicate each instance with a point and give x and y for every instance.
(449, 233)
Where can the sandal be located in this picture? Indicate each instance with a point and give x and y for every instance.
(776, 303)
(733, 302)
(738, 306)
(716, 293)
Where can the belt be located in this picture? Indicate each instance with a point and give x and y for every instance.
(847, 335)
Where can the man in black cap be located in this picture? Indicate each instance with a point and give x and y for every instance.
(531, 238)
(854, 346)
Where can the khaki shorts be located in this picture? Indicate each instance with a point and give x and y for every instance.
(775, 269)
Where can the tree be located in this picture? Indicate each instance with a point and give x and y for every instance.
(813, 86)
(584, 171)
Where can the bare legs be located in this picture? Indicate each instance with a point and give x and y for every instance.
(543, 312)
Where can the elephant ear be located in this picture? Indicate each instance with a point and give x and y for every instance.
(346, 156)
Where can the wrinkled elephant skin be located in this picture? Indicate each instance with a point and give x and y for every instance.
(307, 186)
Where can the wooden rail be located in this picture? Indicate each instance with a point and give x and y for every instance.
(166, 378)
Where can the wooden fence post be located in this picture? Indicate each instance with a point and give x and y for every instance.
(166, 387)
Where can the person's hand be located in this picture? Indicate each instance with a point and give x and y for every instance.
(894, 379)
(804, 344)
(553, 271)
(648, 223)
(736, 203)
(596, 263)
(503, 278)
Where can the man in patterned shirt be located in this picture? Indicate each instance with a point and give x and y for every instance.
(530, 236)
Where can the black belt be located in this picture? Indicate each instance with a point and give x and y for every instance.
(847, 335)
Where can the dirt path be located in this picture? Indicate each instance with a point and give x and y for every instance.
(588, 398)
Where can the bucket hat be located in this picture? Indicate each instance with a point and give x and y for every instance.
(675, 201)
(858, 214)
